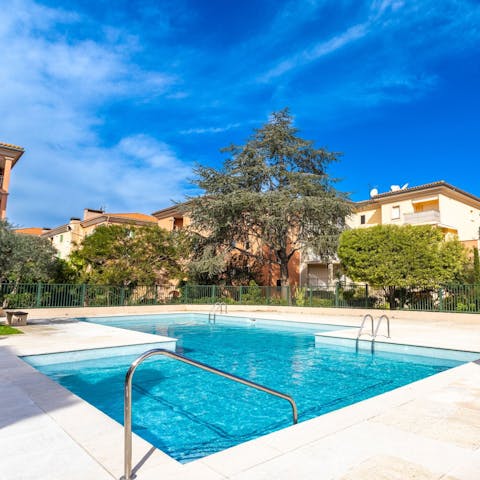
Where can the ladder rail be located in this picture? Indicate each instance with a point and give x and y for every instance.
(360, 331)
(383, 317)
(365, 318)
(212, 313)
(189, 361)
(374, 330)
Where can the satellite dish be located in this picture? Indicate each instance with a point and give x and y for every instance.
(404, 187)
(394, 188)
(373, 192)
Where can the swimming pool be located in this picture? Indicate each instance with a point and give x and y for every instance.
(189, 413)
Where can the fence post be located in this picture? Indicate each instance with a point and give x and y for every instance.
(82, 295)
(337, 291)
(39, 295)
(122, 296)
(213, 293)
(185, 296)
(366, 295)
(310, 295)
(240, 295)
(440, 299)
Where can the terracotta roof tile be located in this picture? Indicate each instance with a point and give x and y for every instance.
(10, 145)
(30, 231)
(134, 216)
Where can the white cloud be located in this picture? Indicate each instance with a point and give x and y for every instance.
(202, 130)
(429, 28)
(52, 89)
(317, 51)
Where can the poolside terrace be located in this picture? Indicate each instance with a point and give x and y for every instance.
(429, 429)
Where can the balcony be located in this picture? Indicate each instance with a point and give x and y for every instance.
(310, 257)
(1, 181)
(428, 216)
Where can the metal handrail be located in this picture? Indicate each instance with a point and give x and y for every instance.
(203, 366)
(378, 326)
(360, 331)
(212, 314)
(365, 317)
(374, 331)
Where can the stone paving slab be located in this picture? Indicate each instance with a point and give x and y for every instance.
(425, 430)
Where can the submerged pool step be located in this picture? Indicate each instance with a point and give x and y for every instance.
(390, 347)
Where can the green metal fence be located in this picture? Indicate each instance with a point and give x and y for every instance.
(41, 295)
(448, 298)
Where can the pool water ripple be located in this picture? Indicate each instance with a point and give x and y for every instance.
(190, 413)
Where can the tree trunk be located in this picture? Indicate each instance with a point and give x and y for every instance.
(7, 297)
(284, 274)
(391, 298)
(284, 281)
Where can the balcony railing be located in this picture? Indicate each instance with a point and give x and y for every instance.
(428, 216)
(1, 181)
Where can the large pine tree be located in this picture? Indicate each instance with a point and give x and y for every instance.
(271, 198)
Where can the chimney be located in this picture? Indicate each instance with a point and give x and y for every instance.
(90, 213)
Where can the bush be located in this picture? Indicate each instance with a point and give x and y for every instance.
(252, 295)
(299, 297)
(323, 302)
(466, 307)
(20, 300)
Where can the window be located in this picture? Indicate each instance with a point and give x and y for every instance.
(61, 239)
(362, 219)
(396, 213)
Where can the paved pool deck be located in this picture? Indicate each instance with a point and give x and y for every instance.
(427, 430)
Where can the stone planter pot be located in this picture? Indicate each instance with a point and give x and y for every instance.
(17, 318)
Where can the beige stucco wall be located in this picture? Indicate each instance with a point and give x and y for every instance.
(373, 216)
(465, 218)
(67, 241)
(63, 244)
(460, 216)
(171, 223)
(166, 223)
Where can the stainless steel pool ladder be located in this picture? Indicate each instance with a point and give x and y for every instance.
(160, 351)
(374, 331)
(218, 306)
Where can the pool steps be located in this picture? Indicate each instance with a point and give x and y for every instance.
(374, 331)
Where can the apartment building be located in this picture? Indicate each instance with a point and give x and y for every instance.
(65, 238)
(173, 218)
(9, 156)
(454, 211)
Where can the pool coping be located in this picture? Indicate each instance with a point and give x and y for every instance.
(236, 462)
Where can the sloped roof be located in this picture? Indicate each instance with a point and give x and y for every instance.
(11, 146)
(37, 231)
(172, 211)
(133, 216)
(12, 151)
(126, 218)
(419, 188)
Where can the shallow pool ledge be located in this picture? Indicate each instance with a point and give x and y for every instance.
(379, 346)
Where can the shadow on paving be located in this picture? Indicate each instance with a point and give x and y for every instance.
(25, 392)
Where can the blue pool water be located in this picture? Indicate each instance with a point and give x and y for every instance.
(190, 413)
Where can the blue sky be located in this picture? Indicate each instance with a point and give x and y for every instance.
(114, 102)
